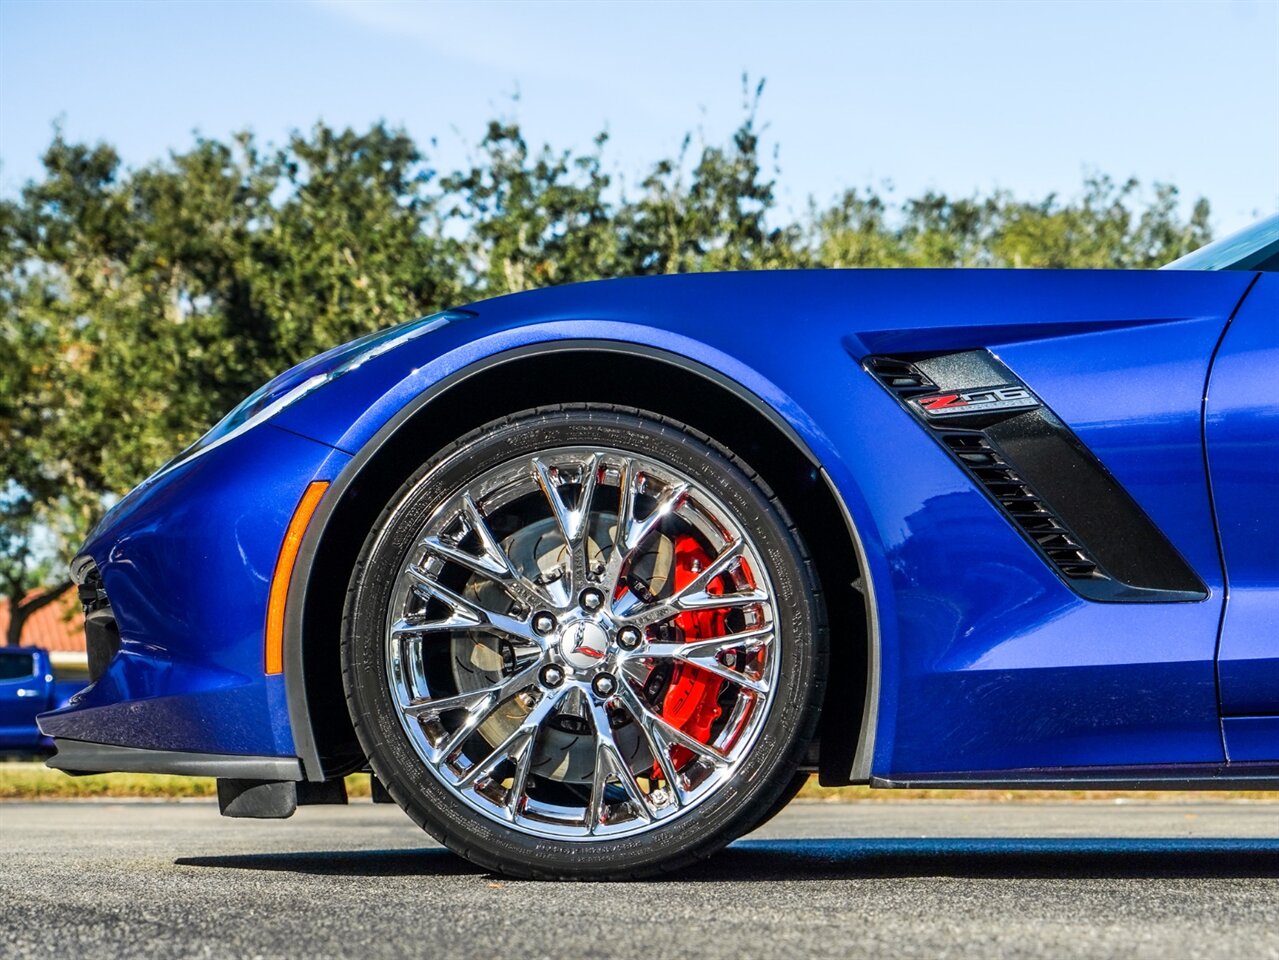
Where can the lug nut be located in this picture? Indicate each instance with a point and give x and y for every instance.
(629, 638)
(551, 675)
(592, 599)
(543, 623)
(604, 684)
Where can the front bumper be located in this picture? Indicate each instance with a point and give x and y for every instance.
(178, 576)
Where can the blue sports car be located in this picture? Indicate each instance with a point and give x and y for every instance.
(592, 578)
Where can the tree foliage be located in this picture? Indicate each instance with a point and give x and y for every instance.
(138, 305)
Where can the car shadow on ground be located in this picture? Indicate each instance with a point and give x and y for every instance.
(853, 859)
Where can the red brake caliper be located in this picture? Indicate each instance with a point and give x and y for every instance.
(692, 699)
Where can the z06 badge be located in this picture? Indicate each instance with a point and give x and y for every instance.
(985, 399)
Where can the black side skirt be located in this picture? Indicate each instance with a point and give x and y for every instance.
(80, 756)
(1187, 776)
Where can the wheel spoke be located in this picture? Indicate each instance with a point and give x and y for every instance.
(475, 717)
(705, 654)
(479, 706)
(625, 516)
(694, 595)
(519, 780)
(494, 563)
(499, 692)
(673, 735)
(466, 614)
(609, 761)
(427, 709)
(573, 522)
(695, 650)
(729, 674)
(408, 662)
(642, 615)
(559, 509)
(631, 533)
(658, 746)
(525, 731)
(720, 565)
(661, 736)
(580, 528)
(667, 504)
(590, 478)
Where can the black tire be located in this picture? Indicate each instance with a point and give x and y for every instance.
(766, 774)
(783, 801)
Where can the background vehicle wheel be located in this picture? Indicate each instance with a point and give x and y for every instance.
(584, 642)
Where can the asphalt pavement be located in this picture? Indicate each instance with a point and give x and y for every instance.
(885, 879)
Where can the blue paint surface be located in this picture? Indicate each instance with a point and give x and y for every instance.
(1243, 456)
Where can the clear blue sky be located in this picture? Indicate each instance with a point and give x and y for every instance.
(958, 96)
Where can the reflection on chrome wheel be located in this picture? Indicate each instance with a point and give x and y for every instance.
(578, 634)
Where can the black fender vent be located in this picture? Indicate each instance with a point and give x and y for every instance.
(1051, 487)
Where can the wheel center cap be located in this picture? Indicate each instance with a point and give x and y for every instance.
(583, 644)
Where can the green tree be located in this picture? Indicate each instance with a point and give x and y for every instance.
(49, 292)
(1108, 226)
(531, 219)
(714, 216)
(139, 305)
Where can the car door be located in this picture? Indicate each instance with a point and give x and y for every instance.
(1242, 434)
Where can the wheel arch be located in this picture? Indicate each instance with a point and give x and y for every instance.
(550, 373)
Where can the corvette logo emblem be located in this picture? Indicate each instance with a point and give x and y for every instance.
(983, 400)
(585, 642)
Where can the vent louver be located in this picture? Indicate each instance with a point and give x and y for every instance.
(1023, 506)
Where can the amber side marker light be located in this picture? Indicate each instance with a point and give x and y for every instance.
(284, 574)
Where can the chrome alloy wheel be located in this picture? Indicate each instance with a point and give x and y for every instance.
(582, 644)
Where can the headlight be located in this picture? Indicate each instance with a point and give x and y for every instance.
(291, 386)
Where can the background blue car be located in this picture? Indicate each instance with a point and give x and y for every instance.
(28, 688)
(592, 577)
